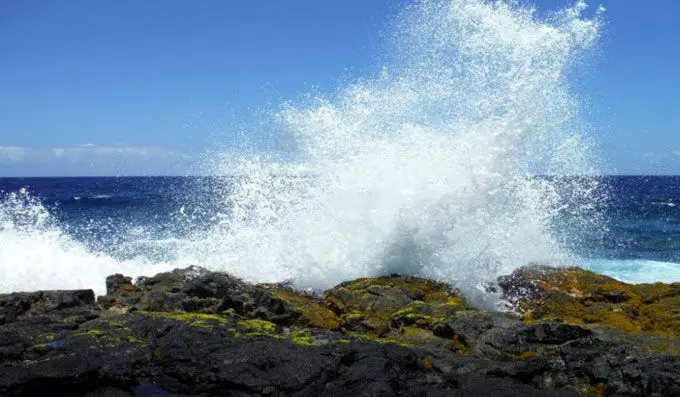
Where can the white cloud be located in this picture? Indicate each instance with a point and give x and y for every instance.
(656, 156)
(662, 156)
(12, 154)
(652, 162)
(91, 159)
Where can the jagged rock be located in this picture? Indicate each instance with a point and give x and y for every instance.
(14, 307)
(579, 296)
(197, 290)
(187, 354)
(383, 304)
(200, 333)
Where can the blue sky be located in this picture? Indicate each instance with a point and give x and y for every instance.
(94, 87)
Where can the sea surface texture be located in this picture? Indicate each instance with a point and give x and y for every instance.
(72, 232)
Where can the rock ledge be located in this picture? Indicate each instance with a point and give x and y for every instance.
(191, 332)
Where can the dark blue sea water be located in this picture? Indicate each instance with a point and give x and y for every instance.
(112, 221)
(101, 213)
(643, 219)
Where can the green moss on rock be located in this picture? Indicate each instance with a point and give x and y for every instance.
(301, 337)
(312, 313)
(193, 319)
(256, 326)
(580, 296)
(379, 306)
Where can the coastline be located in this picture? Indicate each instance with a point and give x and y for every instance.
(194, 332)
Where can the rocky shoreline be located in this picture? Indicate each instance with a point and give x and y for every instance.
(192, 332)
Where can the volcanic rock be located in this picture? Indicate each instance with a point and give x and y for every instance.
(191, 332)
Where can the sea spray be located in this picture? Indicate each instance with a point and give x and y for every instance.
(37, 254)
(429, 168)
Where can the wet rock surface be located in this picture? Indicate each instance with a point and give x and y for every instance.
(192, 332)
(582, 297)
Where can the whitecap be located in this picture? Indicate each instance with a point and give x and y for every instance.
(634, 271)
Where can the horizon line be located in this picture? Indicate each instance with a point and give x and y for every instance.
(213, 175)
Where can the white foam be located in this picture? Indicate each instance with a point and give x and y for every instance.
(667, 204)
(36, 254)
(426, 169)
(635, 271)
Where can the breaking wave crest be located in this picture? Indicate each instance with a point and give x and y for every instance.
(426, 169)
(37, 254)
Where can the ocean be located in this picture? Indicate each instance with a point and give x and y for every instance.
(54, 224)
(426, 168)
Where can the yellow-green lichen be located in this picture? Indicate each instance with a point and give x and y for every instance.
(413, 336)
(257, 327)
(416, 313)
(301, 337)
(106, 334)
(455, 301)
(90, 332)
(382, 305)
(312, 312)
(39, 347)
(118, 324)
(354, 315)
(133, 339)
(579, 296)
(193, 319)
